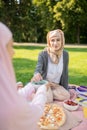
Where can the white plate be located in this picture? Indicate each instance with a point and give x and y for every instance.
(49, 128)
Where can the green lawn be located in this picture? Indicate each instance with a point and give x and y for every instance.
(25, 59)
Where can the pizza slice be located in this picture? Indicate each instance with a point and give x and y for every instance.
(53, 117)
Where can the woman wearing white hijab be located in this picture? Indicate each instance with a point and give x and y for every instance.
(52, 64)
(15, 112)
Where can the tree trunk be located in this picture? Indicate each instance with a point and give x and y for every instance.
(78, 34)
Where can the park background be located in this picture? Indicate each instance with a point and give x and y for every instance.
(30, 20)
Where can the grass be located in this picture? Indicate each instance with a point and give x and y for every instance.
(25, 60)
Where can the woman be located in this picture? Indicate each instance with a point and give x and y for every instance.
(52, 62)
(15, 112)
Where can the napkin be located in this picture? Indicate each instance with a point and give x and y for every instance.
(71, 121)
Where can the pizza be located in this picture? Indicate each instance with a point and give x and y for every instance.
(53, 117)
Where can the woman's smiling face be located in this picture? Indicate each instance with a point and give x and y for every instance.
(55, 42)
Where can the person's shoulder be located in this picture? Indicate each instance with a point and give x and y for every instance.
(65, 52)
(43, 52)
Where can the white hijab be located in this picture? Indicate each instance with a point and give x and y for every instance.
(15, 112)
(55, 55)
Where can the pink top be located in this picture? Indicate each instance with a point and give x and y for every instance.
(27, 91)
(15, 112)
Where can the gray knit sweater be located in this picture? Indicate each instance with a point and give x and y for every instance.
(42, 65)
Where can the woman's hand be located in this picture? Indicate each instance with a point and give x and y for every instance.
(36, 78)
(19, 85)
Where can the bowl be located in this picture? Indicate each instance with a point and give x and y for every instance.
(70, 105)
(81, 89)
(82, 92)
(41, 82)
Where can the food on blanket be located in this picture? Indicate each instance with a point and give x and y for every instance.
(70, 105)
(53, 117)
(69, 102)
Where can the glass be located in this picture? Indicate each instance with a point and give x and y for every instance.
(85, 111)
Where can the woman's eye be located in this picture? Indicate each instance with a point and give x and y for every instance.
(52, 40)
(58, 39)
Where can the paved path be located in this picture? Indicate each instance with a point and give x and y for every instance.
(40, 44)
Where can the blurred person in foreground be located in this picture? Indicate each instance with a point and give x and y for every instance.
(15, 112)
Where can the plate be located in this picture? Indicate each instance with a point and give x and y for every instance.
(84, 96)
(81, 101)
(81, 90)
(48, 128)
(41, 82)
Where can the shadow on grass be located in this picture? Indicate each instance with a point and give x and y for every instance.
(29, 47)
(41, 47)
(76, 49)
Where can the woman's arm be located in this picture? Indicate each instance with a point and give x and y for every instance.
(41, 67)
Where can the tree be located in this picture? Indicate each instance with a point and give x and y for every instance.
(72, 14)
(19, 17)
(45, 17)
(30, 20)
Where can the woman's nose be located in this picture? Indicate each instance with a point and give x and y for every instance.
(55, 42)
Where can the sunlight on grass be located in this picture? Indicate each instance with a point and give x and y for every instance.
(25, 60)
(28, 54)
